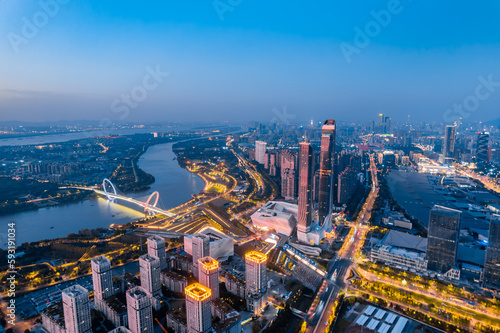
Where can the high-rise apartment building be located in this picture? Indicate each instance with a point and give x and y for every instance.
(76, 309)
(101, 278)
(326, 171)
(491, 277)
(198, 308)
(305, 187)
(139, 310)
(449, 141)
(201, 249)
(482, 147)
(209, 275)
(150, 274)
(156, 248)
(256, 271)
(260, 151)
(442, 238)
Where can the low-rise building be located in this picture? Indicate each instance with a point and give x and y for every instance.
(177, 321)
(235, 285)
(401, 250)
(173, 281)
(229, 319)
(53, 319)
(114, 308)
(280, 216)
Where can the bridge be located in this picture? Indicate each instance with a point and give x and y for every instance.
(149, 205)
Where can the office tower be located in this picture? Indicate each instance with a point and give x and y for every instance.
(326, 171)
(156, 248)
(442, 241)
(198, 309)
(482, 147)
(209, 275)
(305, 187)
(289, 164)
(256, 271)
(150, 274)
(491, 277)
(201, 248)
(381, 119)
(76, 309)
(260, 151)
(101, 278)
(449, 141)
(139, 310)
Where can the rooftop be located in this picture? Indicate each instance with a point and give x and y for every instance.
(403, 240)
(209, 263)
(256, 257)
(198, 292)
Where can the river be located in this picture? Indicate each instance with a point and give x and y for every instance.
(175, 185)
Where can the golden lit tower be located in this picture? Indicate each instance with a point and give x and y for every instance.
(256, 271)
(198, 309)
(209, 274)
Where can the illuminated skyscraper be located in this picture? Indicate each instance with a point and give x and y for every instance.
(482, 147)
(449, 141)
(76, 309)
(101, 278)
(201, 248)
(491, 277)
(209, 275)
(156, 248)
(442, 241)
(150, 274)
(256, 271)
(305, 187)
(326, 172)
(198, 309)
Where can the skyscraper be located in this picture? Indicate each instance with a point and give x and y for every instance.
(198, 309)
(305, 187)
(102, 279)
(150, 274)
(289, 166)
(442, 241)
(256, 271)
(482, 147)
(201, 248)
(260, 151)
(326, 171)
(209, 275)
(139, 310)
(156, 248)
(449, 141)
(491, 277)
(76, 309)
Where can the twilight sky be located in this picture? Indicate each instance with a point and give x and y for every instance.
(240, 59)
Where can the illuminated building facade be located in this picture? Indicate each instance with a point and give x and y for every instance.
(198, 309)
(256, 271)
(442, 241)
(209, 275)
(326, 172)
(305, 188)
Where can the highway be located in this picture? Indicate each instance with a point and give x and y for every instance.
(338, 272)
